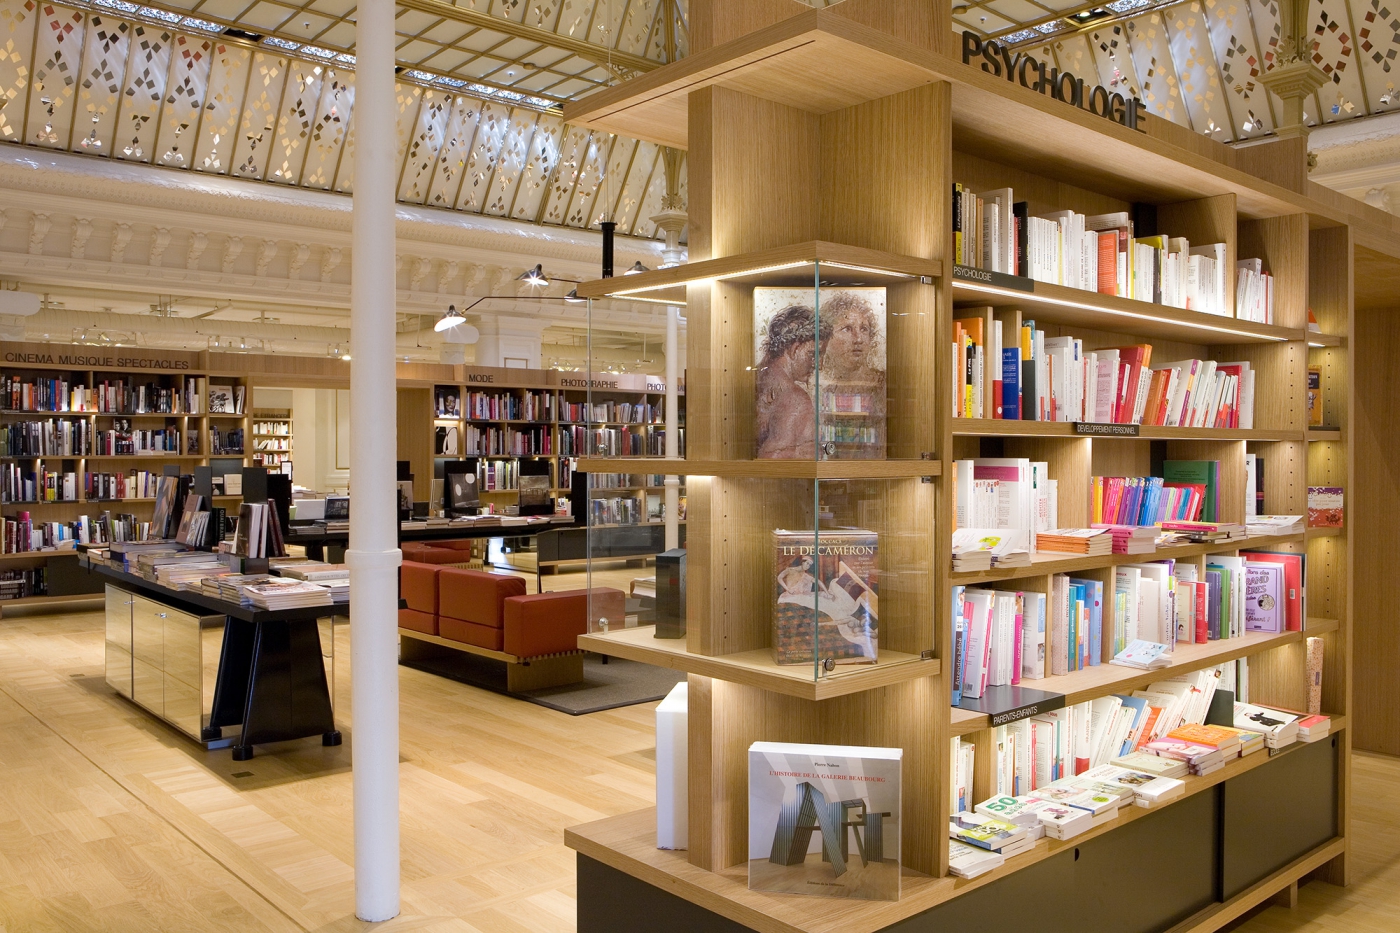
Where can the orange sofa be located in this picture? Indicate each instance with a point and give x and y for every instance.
(536, 635)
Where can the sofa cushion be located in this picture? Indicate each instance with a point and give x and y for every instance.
(475, 596)
(424, 622)
(482, 636)
(426, 554)
(550, 623)
(457, 544)
(418, 586)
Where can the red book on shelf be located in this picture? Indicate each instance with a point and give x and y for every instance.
(1108, 262)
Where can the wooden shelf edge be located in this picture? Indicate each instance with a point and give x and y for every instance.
(1324, 434)
(1324, 533)
(627, 843)
(765, 469)
(1074, 563)
(742, 264)
(1105, 679)
(755, 669)
(1082, 307)
(975, 427)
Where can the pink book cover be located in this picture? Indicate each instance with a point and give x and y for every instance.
(1020, 631)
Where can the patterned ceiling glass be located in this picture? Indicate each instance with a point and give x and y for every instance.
(141, 84)
(1198, 62)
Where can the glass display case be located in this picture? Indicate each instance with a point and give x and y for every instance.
(806, 562)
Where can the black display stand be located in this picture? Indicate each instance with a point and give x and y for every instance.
(271, 675)
(1147, 876)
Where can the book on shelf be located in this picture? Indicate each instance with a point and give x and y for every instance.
(965, 861)
(988, 832)
(964, 759)
(1143, 655)
(1280, 729)
(1325, 506)
(826, 590)
(1295, 577)
(808, 804)
(995, 232)
(832, 363)
(1254, 292)
(1315, 408)
(1276, 525)
(1092, 542)
(978, 549)
(1313, 663)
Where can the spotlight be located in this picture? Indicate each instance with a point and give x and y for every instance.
(450, 319)
(534, 276)
(636, 268)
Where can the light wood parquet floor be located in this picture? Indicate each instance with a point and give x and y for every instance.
(111, 822)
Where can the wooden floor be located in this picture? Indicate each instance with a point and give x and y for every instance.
(111, 822)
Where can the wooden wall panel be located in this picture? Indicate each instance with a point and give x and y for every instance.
(415, 437)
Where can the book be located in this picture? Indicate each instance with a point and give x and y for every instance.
(984, 832)
(1279, 729)
(1143, 655)
(967, 861)
(1263, 597)
(827, 580)
(1315, 419)
(221, 399)
(1325, 506)
(1295, 583)
(846, 341)
(808, 804)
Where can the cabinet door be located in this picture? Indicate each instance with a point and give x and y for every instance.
(148, 654)
(181, 646)
(182, 707)
(118, 640)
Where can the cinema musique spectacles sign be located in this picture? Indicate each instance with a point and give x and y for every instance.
(1029, 72)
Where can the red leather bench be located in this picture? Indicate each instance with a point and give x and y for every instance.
(490, 614)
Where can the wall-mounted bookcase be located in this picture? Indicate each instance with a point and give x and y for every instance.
(804, 180)
(500, 417)
(272, 439)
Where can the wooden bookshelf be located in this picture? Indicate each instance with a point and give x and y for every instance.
(819, 133)
(422, 411)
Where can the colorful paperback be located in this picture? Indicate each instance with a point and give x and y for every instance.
(826, 588)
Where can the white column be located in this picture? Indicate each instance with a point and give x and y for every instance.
(673, 430)
(374, 555)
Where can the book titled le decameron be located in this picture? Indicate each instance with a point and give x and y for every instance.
(826, 593)
(824, 820)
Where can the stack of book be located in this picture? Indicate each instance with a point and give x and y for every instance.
(985, 832)
(979, 549)
(1279, 729)
(313, 570)
(1092, 542)
(276, 595)
(965, 861)
(229, 586)
(1274, 525)
(1207, 532)
(189, 574)
(1130, 539)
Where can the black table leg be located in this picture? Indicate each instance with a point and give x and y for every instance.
(231, 683)
(287, 693)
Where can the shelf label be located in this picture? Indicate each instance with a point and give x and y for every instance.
(1029, 72)
(996, 279)
(1106, 430)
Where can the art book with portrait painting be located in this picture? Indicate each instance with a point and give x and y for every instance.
(826, 590)
(820, 373)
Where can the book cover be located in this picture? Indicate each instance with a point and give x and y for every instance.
(824, 820)
(826, 591)
(834, 360)
(1263, 598)
(1325, 506)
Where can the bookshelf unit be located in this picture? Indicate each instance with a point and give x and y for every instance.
(183, 415)
(823, 145)
(500, 417)
(272, 438)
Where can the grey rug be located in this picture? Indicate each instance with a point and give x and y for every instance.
(604, 686)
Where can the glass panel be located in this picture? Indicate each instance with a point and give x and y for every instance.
(801, 379)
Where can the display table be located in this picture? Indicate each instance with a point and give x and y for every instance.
(203, 664)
